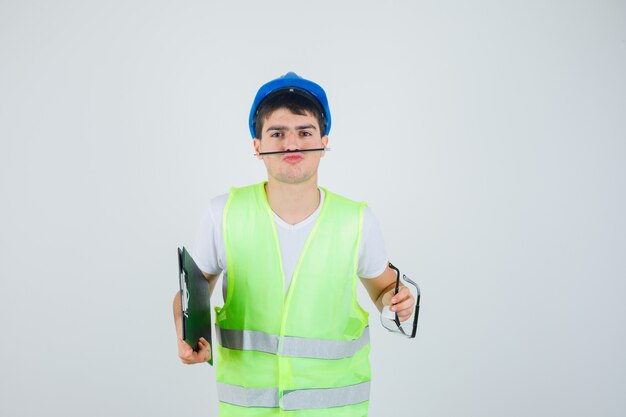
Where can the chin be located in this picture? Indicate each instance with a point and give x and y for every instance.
(293, 178)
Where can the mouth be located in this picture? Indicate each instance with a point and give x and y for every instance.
(293, 158)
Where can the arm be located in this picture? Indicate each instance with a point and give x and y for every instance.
(185, 352)
(381, 289)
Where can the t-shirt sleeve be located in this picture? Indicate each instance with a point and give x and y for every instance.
(206, 250)
(372, 254)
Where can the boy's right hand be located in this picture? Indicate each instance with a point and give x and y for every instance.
(187, 354)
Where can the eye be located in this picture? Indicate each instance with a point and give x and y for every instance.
(304, 133)
(276, 135)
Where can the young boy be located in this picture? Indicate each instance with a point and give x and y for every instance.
(292, 337)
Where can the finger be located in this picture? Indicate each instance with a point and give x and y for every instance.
(404, 310)
(186, 358)
(181, 342)
(189, 356)
(408, 303)
(405, 314)
(403, 317)
(403, 303)
(192, 358)
(184, 348)
(185, 352)
(205, 347)
(402, 295)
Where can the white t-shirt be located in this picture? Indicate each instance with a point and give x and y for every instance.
(209, 251)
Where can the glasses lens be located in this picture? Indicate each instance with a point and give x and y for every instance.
(403, 329)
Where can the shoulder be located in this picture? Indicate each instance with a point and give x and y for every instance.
(370, 221)
(345, 201)
(372, 253)
(217, 204)
(242, 198)
(368, 215)
(213, 211)
(247, 189)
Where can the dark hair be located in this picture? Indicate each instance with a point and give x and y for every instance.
(294, 102)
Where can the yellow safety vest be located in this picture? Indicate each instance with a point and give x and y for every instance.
(302, 354)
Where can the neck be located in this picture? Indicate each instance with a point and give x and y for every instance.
(293, 202)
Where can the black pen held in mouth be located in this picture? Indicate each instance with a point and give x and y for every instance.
(292, 151)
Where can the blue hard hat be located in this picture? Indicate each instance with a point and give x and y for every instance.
(291, 82)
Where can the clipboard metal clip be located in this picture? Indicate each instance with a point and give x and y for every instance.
(184, 294)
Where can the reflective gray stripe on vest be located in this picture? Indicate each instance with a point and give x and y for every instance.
(247, 397)
(294, 399)
(299, 347)
(326, 397)
(247, 340)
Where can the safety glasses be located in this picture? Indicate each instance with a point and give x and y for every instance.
(390, 320)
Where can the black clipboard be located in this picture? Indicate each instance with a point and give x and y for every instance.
(195, 302)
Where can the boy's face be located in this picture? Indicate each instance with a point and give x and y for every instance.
(283, 131)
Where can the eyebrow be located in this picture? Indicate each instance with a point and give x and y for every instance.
(301, 127)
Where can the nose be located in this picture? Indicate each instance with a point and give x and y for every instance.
(291, 140)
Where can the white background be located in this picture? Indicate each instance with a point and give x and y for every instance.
(487, 136)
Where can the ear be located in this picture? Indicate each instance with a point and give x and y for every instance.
(325, 143)
(256, 143)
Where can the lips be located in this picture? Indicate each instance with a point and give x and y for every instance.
(293, 157)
